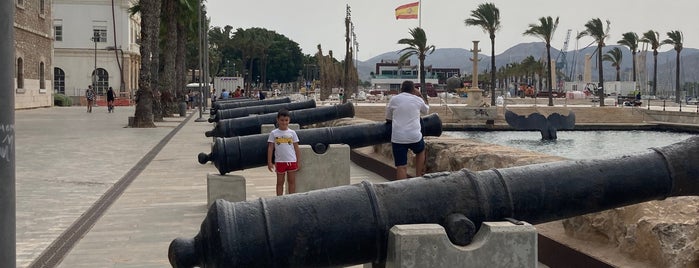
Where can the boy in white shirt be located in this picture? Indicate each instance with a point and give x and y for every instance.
(403, 111)
(283, 143)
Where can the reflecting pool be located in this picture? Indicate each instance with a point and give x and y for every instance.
(579, 145)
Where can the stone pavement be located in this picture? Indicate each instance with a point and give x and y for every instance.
(67, 159)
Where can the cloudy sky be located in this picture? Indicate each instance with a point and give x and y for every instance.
(313, 22)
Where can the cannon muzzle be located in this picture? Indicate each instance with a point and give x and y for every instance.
(237, 103)
(260, 109)
(349, 225)
(241, 152)
(253, 124)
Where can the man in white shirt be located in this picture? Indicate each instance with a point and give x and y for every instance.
(403, 112)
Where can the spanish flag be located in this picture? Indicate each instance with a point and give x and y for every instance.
(407, 11)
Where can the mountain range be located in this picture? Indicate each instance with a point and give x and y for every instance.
(459, 58)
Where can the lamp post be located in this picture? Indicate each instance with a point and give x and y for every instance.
(120, 65)
(8, 249)
(95, 38)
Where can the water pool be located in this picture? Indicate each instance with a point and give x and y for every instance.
(579, 145)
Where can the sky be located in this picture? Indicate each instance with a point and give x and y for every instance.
(313, 22)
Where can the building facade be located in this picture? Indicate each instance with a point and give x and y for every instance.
(389, 75)
(95, 44)
(33, 54)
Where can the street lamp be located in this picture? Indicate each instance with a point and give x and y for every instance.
(120, 65)
(95, 38)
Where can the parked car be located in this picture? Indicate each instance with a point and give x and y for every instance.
(692, 101)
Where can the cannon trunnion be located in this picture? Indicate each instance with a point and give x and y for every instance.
(253, 124)
(241, 152)
(349, 225)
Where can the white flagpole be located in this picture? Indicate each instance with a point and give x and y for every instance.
(419, 13)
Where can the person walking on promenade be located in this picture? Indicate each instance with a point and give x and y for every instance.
(110, 100)
(283, 144)
(90, 97)
(403, 113)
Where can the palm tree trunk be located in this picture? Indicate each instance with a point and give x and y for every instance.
(618, 77)
(677, 79)
(180, 61)
(633, 59)
(601, 74)
(492, 70)
(655, 72)
(423, 89)
(143, 116)
(168, 78)
(155, 64)
(550, 84)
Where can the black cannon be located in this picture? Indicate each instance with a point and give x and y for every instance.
(237, 153)
(222, 105)
(349, 225)
(253, 124)
(262, 109)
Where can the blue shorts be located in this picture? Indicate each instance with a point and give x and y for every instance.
(400, 151)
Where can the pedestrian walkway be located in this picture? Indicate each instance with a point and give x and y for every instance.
(67, 159)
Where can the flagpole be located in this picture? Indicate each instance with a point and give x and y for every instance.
(419, 24)
(419, 13)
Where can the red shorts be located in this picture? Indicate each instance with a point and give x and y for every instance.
(283, 167)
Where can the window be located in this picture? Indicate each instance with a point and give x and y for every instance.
(59, 81)
(99, 31)
(58, 31)
(42, 9)
(20, 3)
(42, 76)
(102, 81)
(20, 73)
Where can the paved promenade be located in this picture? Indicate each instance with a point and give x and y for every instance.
(67, 159)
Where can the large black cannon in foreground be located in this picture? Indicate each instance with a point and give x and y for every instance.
(237, 153)
(222, 105)
(349, 225)
(260, 109)
(253, 124)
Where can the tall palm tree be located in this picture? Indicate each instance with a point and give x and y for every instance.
(545, 30)
(150, 26)
(630, 40)
(417, 45)
(487, 16)
(653, 38)
(595, 29)
(675, 39)
(614, 56)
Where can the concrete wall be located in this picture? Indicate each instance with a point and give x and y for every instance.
(673, 117)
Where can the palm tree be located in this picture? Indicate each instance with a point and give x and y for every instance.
(596, 30)
(653, 38)
(150, 26)
(417, 45)
(631, 40)
(614, 56)
(675, 39)
(545, 30)
(487, 16)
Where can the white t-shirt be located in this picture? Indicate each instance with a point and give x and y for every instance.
(283, 144)
(404, 110)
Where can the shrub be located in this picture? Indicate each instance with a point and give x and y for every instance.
(62, 100)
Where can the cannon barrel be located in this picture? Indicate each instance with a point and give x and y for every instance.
(253, 124)
(260, 109)
(241, 152)
(349, 225)
(222, 105)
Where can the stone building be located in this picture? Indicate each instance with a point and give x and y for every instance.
(33, 54)
(95, 44)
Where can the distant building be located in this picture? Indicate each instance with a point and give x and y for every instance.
(33, 49)
(388, 75)
(95, 44)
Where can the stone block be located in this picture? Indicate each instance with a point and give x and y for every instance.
(497, 244)
(227, 187)
(319, 171)
(267, 128)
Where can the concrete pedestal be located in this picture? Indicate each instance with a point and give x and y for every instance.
(227, 187)
(319, 171)
(497, 244)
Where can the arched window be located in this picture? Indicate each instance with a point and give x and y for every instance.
(59, 81)
(42, 76)
(20, 73)
(102, 82)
